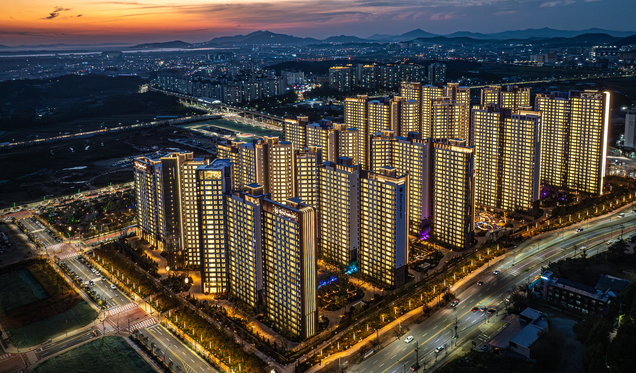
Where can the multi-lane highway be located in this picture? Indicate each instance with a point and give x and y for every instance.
(516, 269)
(39, 232)
(101, 286)
(177, 356)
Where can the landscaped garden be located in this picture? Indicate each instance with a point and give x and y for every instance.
(92, 217)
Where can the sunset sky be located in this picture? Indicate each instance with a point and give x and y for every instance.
(76, 21)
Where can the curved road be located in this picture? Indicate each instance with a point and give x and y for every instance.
(516, 269)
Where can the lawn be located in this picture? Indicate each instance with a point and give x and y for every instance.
(107, 354)
(36, 304)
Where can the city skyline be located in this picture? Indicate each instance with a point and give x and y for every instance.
(198, 21)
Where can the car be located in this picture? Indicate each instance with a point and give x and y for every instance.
(91, 282)
(475, 309)
(455, 303)
(496, 272)
(483, 349)
(409, 339)
(103, 278)
(480, 283)
(621, 215)
(579, 230)
(482, 309)
(439, 349)
(112, 286)
(491, 311)
(415, 367)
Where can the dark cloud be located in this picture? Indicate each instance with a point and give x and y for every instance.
(56, 12)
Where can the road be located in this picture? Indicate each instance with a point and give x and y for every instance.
(114, 297)
(65, 343)
(39, 231)
(174, 351)
(516, 270)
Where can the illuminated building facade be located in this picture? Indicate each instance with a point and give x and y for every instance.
(306, 174)
(379, 116)
(214, 181)
(244, 245)
(384, 227)
(338, 211)
(149, 201)
(408, 155)
(356, 116)
(453, 188)
(507, 158)
(289, 267)
(574, 139)
(280, 169)
(512, 97)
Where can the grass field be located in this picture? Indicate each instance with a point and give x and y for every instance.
(41, 331)
(36, 304)
(108, 354)
(18, 288)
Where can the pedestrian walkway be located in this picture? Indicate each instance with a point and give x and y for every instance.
(5, 356)
(123, 308)
(67, 255)
(144, 324)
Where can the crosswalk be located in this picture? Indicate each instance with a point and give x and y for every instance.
(67, 255)
(5, 356)
(121, 309)
(143, 324)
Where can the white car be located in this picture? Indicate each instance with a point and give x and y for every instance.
(408, 339)
(439, 349)
(112, 286)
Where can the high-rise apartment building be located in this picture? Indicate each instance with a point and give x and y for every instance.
(379, 115)
(341, 78)
(408, 155)
(512, 97)
(244, 245)
(453, 189)
(407, 116)
(149, 201)
(429, 93)
(306, 174)
(214, 181)
(190, 200)
(384, 227)
(295, 131)
(450, 119)
(574, 139)
(437, 73)
(289, 267)
(630, 129)
(339, 211)
(507, 158)
(356, 116)
(350, 144)
(281, 169)
(167, 200)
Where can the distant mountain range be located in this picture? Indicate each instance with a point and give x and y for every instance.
(544, 35)
(523, 36)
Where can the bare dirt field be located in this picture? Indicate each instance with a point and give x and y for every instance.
(30, 174)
